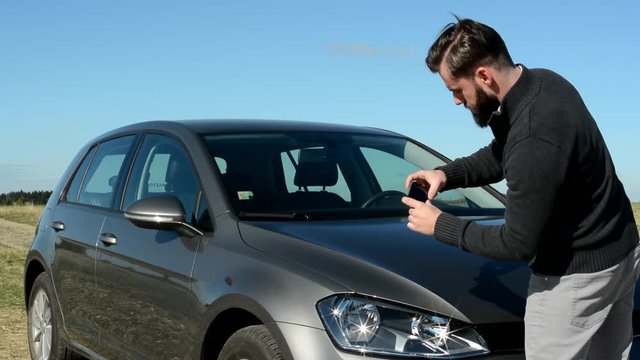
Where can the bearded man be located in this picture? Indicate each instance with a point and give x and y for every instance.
(567, 213)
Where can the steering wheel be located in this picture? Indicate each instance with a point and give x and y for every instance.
(380, 196)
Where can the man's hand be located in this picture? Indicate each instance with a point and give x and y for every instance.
(433, 180)
(422, 216)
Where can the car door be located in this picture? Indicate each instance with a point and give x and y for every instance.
(144, 276)
(77, 221)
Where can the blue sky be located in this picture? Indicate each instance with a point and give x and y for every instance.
(71, 70)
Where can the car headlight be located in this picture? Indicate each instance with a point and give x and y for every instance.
(374, 327)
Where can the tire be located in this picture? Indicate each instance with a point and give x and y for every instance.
(43, 323)
(251, 343)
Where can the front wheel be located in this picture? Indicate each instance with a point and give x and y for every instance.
(42, 318)
(251, 343)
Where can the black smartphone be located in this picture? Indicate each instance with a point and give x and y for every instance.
(418, 192)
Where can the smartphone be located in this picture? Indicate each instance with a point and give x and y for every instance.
(418, 192)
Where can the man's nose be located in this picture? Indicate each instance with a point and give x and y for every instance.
(457, 100)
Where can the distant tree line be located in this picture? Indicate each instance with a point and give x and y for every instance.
(25, 198)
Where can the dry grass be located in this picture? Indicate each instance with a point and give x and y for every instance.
(23, 214)
(16, 235)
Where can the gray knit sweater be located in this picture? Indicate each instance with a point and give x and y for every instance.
(566, 211)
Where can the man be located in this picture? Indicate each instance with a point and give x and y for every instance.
(567, 213)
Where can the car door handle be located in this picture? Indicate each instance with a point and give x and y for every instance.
(58, 226)
(108, 239)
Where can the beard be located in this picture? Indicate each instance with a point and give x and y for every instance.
(484, 107)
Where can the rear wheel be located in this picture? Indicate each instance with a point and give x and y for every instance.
(251, 343)
(42, 318)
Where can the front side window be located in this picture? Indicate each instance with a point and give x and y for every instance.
(105, 172)
(162, 167)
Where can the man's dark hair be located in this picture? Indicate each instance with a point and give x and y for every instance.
(465, 45)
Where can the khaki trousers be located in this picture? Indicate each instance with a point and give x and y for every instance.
(582, 316)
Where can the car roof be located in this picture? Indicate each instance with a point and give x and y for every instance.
(206, 126)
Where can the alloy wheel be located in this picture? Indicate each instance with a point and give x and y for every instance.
(41, 326)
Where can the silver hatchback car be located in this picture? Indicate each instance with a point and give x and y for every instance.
(230, 239)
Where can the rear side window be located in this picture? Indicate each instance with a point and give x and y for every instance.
(76, 182)
(104, 173)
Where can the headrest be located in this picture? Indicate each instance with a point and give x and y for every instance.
(179, 176)
(316, 173)
(175, 167)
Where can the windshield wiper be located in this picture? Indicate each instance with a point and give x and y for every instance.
(285, 216)
(344, 214)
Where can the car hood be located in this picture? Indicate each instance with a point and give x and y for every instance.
(383, 258)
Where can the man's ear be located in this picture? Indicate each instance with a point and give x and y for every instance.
(484, 75)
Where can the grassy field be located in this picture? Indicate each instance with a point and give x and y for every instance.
(17, 224)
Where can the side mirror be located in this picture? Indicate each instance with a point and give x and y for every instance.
(163, 212)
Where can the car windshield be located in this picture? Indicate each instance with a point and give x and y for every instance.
(331, 175)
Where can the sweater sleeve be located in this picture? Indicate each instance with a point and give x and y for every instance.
(536, 171)
(480, 168)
